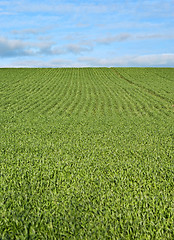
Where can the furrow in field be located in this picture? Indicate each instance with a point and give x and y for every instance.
(14, 92)
(118, 89)
(161, 73)
(88, 107)
(152, 100)
(163, 76)
(75, 99)
(124, 95)
(109, 96)
(109, 104)
(84, 95)
(34, 94)
(97, 91)
(120, 95)
(156, 103)
(58, 92)
(56, 87)
(95, 97)
(150, 91)
(27, 83)
(70, 95)
(153, 104)
(164, 84)
(14, 79)
(26, 99)
(37, 97)
(141, 106)
(67, 93)
(82, 98)
(85, 106)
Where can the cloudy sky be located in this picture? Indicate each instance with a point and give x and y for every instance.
(76, 33)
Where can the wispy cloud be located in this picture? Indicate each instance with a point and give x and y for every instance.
(4, 3)
(145, 8)
(117, 38)
(27, 31)
(62, 8)
(155, 36)
(78, 49)
(127, 36)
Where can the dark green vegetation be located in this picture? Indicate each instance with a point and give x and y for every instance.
(86, 153)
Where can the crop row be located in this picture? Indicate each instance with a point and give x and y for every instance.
(84, 92)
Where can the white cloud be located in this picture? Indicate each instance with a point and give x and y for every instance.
(55, 63)
(40, 63)
(17, 48)
(11, 48)
(166, 59)
(156, 60)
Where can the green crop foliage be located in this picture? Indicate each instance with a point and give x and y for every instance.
(87, 153)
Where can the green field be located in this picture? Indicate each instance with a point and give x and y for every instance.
(87, 153)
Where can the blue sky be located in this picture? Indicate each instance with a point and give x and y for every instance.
(40, 33)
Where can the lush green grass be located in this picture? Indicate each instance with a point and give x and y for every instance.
(86, 153)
